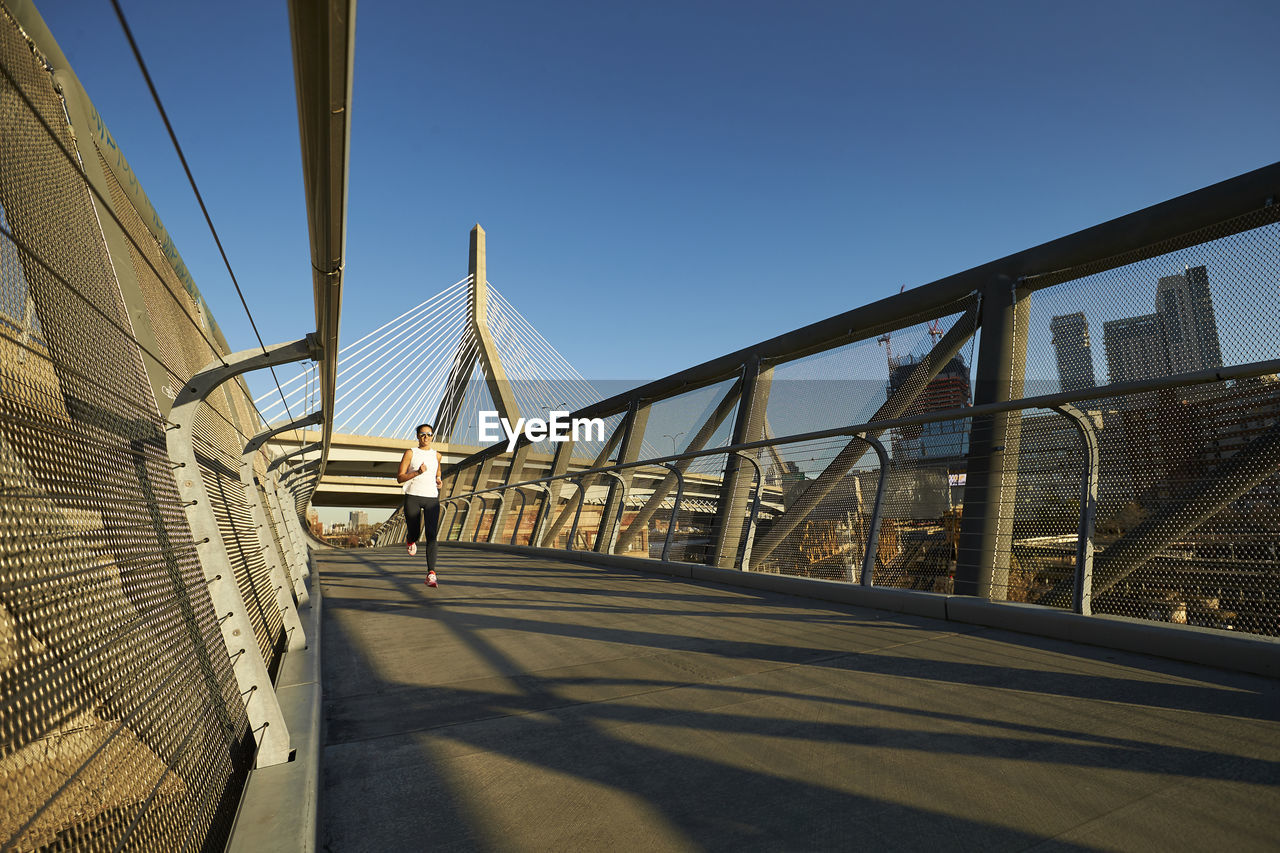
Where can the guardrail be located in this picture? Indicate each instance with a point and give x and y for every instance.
(1153, 494)
(152, 557)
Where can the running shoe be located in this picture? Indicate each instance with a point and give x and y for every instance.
(431, 579)
(413, 548)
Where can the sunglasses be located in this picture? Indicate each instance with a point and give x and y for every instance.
(426, 435)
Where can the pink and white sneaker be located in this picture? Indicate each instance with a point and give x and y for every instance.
(431, 579)
(413, 549)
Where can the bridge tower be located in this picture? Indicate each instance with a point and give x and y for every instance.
(483, 349)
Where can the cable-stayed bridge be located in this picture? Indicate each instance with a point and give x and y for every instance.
(463, 351)
(1016, 589)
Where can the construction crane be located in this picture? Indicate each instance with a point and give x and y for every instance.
(884, 339)
(935, 331)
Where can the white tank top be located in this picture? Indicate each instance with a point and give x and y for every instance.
(423, 485)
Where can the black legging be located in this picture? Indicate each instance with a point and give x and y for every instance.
(419, 513)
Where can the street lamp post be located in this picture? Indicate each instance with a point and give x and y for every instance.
(673, 438)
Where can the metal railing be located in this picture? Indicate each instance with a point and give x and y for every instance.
(1153, 494)
(1080, 580)
(152, 555)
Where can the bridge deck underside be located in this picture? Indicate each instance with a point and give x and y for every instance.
(529, 704)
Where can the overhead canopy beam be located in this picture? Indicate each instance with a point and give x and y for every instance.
(323, 36)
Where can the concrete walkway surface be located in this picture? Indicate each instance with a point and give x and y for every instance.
(528, 704)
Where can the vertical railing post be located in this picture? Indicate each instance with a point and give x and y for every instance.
(577, 513)
(748, 426)
(986, 529)
(499, 517)
(675, 508)
(877, 511)
(750, 538)
(514, 471)
(540, 520)
(515, 531)
(482, 482)
(471, 513)
(637, 420)
(611, 539)
(288, 546)
(559, 466)
(1082, 590)
(448, 513)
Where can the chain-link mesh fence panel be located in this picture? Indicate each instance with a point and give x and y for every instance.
(1037, 557)
(1187, 506)
(816, 508)
(849, 384)
(1194, 307)
(651, 493)
(121, 726)
(692, 524)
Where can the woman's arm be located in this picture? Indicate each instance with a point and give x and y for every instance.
(404, 474)
(439, 468)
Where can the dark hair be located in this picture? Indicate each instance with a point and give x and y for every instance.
(420, 427)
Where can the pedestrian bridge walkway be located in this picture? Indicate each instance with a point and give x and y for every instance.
(534, 704)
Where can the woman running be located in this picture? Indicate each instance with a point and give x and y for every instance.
(420, 471)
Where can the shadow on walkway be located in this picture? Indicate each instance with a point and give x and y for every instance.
(527, 704)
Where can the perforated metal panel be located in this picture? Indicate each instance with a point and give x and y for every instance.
(121, 725)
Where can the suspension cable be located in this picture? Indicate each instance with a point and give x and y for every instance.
(155, 95)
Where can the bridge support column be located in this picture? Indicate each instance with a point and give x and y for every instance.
(614, 507)
(252, 677)
(748, 426)
(991, 487)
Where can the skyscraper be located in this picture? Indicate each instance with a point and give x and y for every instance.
(1075, 357)
(1135, 349)
(1184, 307)
(950, 389)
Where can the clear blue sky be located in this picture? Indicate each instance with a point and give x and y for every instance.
(662, 182)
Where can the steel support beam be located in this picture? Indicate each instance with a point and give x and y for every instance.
(292, 480)
(473, 519)
(750, 538)
(250, 669)
(637, 419)
(323, 37)
(877, 512)
(296, 566)
(757, 379)
(990, 493)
